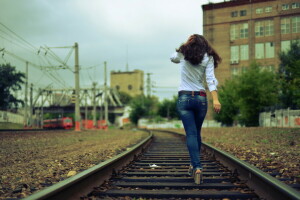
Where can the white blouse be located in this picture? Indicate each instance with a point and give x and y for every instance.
(192, 76)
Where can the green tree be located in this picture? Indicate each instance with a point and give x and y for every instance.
(167, 108)
(256, 89)
(289, 75)
(10, 81)
(245, 96)
(142, 106)
(228, 99)
(125, 98)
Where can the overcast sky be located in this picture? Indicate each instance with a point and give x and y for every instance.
(104, 30)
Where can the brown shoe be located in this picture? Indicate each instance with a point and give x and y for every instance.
(198, 176)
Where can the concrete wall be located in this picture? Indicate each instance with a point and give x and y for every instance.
(280, 118)
(131, 82)
(11, 117)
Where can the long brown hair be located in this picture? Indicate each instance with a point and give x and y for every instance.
(195, 48)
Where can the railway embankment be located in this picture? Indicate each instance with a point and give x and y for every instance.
(31, 161)
(273, 150)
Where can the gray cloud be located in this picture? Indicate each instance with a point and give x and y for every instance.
(104, 29)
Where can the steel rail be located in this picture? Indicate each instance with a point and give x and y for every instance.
(263, 184)
(81, 184)
(33, 130)
(19, 130)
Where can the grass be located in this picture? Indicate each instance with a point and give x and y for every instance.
(8, 125)
(265, 148)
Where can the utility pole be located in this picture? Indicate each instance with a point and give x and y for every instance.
(86, 110)
(26, 97)
(94, 105)
(148, 84)
(42, 111)
(127, 69)
(77, 90)
(105, 95)
(31, 105)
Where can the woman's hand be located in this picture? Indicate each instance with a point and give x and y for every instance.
(217, 106)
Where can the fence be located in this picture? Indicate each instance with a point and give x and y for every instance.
(280, 118)
(11, 117)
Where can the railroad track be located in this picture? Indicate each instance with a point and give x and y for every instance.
(32, 130)
(160, 172)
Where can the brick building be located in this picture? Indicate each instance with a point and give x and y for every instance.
(131, 82)
(245, 30)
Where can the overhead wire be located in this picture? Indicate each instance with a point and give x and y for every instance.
(35, 50)
(45, 58)
(58, 59)
(10, 41)
(22, 39)
(33, 64)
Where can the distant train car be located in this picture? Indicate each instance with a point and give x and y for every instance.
(61, 123)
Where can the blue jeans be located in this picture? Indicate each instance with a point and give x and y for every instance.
(192, 111)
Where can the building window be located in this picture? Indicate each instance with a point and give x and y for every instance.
(117, 87)
(268, 9)
(259, 10)
(270, 50)
(234, 71)
(244, 52)
(259, 50)
(296, 41)
(296, 24)
(295, 5)
(129, 87)
(269, 68)
(244, 69)
(269, 27)
(244, 30)
(234, 32)
(234, 54)
(285, 6)
(285, 25)
(259, 29)
(264, 28)
(234, 14)
(238, 31)
(243, 12)
(285, 45)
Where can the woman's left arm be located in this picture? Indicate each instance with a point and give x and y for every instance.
(216, 103)
(212, 83)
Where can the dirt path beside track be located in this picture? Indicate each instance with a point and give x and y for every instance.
(32, 161)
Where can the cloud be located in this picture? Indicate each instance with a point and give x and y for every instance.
(104, 29)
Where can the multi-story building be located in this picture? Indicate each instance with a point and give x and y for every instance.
(131, 82)
(242, 31)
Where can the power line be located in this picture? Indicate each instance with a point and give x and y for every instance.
(32, 64)
(33, 47)
(42, 58)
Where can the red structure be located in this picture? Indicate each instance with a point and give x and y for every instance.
(61, 123)
(89, 124)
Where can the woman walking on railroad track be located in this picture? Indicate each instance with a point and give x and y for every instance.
(197, 61)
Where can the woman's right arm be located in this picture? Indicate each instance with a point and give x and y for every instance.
(176, 57)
